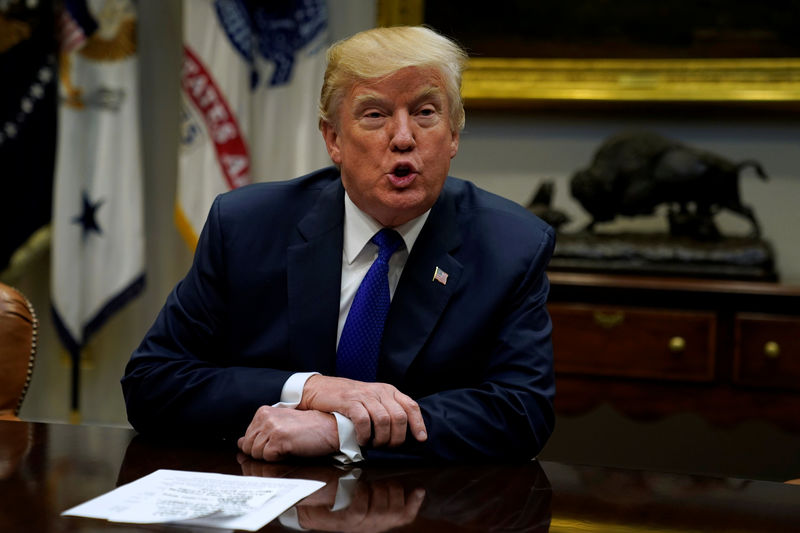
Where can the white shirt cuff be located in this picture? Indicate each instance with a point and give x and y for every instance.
(292, 393)
(350, 451)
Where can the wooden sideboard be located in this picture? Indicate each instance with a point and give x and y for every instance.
(726, 350)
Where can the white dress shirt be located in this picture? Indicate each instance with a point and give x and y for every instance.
(358, 254)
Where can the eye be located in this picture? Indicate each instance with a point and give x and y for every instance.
(427, 112)
(371, 118)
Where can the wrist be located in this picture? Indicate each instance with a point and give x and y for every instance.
(307, 394)
(332, 435)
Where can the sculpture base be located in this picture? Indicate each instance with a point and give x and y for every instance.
(658, 254)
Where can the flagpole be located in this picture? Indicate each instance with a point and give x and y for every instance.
(75, 393)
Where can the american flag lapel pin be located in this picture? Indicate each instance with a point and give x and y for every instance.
(440, 276)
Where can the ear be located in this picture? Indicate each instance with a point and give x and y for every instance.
(456, 135)
(331, 137)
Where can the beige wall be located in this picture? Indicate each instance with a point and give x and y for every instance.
(511, 152)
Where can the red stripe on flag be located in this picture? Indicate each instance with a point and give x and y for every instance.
(199, 86)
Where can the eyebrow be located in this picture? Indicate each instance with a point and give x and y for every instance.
(430, 92)
(366, 100)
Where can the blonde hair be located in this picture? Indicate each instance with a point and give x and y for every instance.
(380, 52)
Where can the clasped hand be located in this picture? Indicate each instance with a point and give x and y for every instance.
(380, 413)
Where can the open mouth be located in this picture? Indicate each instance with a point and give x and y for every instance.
(402, 171)
(403, 175)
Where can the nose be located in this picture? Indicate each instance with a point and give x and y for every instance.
(403, 135)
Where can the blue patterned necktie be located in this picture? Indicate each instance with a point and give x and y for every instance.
(360, 343)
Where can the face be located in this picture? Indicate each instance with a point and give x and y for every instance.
(393, 144)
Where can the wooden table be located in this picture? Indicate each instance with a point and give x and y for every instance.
(48, 468)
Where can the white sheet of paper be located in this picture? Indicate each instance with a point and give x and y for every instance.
(198, 498)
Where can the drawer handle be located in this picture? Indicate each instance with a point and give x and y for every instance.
(677, 345)
(772, 349)
(608, 320)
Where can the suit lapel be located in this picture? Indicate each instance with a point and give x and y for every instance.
(419, 299)
(314, 265)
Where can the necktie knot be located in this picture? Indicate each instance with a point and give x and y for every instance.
(388, 241)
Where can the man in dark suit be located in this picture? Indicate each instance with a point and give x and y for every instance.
(274, 337)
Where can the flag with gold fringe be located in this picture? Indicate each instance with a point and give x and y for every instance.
(98, 226)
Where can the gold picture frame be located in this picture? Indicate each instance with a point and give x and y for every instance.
(515, 82)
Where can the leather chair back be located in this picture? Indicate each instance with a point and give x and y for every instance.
(18, 331)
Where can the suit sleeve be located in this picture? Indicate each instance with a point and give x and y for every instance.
(182, 378)
(508, 414)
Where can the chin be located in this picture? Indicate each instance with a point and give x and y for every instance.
(407, 201)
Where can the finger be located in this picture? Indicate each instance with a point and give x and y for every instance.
(381, 422)
(263, 444)
(415, 421)
(399, 423)
(257, 447)
(359, 416)
(269, 453)
(246, 443)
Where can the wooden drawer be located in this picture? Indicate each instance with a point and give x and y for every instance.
(633, 342)
(767, 350)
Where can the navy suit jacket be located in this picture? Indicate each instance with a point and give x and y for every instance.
(261, 301)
